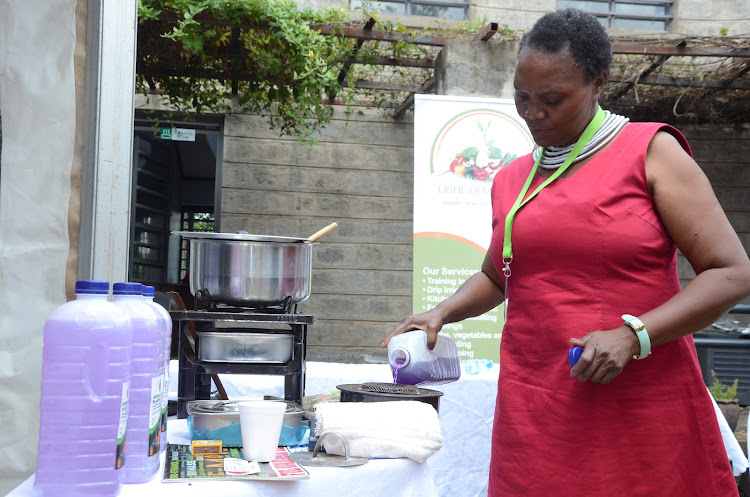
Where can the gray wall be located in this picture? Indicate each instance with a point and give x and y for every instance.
(359, 174)
(724, 155)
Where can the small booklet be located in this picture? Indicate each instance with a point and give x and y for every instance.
(182, 465)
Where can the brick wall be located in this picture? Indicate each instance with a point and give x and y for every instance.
(359, 174)
(724, 155)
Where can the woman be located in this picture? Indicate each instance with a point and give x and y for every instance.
(592, 250)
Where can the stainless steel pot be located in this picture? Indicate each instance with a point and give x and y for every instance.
(249, 270)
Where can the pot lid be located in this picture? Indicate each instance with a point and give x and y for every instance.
(232, 407)
(212, 407)
(239, 237)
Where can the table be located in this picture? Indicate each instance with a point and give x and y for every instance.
(379, 477)
(466, 411)
(461, 467)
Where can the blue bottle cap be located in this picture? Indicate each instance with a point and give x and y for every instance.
(92, 287)
(148, 291)
(574, 354)
(127, 288)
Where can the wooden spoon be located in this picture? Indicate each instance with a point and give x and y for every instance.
(322, 232)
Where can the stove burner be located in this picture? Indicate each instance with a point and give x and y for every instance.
(195, 375)
(386, 388)
(203, 301)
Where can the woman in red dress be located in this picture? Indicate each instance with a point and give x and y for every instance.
(596, 215)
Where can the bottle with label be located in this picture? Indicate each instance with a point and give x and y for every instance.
(166, 321)
(146, 384)
(413, 363)
(84, 396)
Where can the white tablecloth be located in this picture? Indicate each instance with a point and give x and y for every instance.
(377, 478)
(461, 467)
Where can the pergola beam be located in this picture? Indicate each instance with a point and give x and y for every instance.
(361, 34)
(657, 64)
(618, 48)
(392, 61)
(384, 86)
(687, 82)
(487, 32)
(681, 51)
(425, 87)
(367, 27)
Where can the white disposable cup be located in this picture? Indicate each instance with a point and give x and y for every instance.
(260, 422)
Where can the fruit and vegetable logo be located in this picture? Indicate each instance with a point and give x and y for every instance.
(469, 145)
(480, 163)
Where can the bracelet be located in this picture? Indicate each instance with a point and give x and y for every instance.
(640, 331)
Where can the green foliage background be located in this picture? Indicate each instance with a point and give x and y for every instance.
(280, 68)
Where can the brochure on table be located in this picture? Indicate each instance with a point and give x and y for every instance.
(182, 465)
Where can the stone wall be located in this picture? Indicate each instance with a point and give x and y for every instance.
(724, 155)
(359, 174)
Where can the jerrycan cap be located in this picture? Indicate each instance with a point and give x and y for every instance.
(92, 287)
(148, 291)
(574, 354)
(399, 357)
(127, 288)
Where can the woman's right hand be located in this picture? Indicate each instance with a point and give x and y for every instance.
(483, 291)
(431, 322)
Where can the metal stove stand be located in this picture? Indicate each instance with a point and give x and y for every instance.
(194, 376)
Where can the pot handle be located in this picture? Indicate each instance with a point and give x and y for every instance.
(322, 232)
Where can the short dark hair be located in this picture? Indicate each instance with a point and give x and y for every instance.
(582, 33)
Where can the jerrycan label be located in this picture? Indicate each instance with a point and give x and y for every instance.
(124, 410)
(165, 401)
(154, 420)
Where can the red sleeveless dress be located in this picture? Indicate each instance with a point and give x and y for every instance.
(588, 249)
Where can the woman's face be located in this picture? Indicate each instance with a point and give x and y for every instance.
(553, 96)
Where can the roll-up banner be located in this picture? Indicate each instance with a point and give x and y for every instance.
(459, 145)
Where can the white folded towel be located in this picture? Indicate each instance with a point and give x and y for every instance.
(404, 428)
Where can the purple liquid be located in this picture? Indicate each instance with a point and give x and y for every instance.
(166, 330)
(146, 387)
(396, 367)
(437, 370)
(86, 364)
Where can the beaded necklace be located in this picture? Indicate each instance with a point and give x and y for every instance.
(553, 157)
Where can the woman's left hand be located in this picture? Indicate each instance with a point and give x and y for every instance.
(605, 354)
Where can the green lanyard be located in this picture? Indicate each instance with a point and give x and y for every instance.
(588, 133)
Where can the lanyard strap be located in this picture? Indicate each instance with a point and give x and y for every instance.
(588, 133)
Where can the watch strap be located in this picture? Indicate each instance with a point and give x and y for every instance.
(640, 331)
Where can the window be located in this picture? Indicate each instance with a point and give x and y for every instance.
(198, 219)
(653, 15)
(441, 9)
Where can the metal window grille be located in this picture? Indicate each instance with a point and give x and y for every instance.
(441, 9)
(653, 15)
(193, 220)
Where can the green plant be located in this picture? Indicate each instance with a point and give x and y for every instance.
(257, 56)
(266, 57)
(720, 391)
